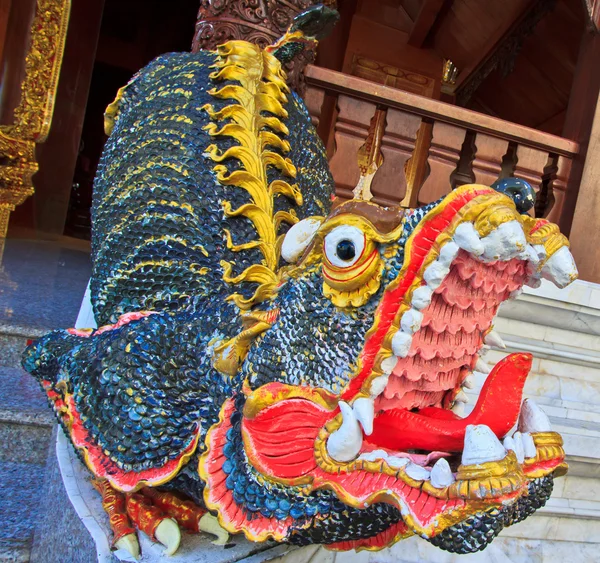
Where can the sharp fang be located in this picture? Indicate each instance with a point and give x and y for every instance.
(434, 275)
(469, 382)
(531, 255)
(505, 242)
(482, 367)
(421, 297)
(461, 397)
(441, 474)
(375, 455)
(411, 321)
(560, 268)
(345, 443)
(448, 253)
(401, 344)
(520, 450)
(389, 364)
(130, 544)
(396, 462)
(167, 533)
(492, 338)
(533, 418)
(378, 385)
(481, 445)
(458, 409)
(467, 238)
(417, 472)
(209, 524)
(528, 445)
(364, 410)
(298, 238)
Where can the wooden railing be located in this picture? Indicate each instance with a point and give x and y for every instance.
(429, 147)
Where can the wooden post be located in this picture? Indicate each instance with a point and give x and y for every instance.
(487, 164)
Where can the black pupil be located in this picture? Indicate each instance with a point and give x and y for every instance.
(345, 250)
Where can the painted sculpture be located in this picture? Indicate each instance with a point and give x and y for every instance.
(280, 364)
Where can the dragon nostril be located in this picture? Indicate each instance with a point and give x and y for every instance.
(518, 190)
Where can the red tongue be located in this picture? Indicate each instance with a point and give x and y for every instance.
(438, 429)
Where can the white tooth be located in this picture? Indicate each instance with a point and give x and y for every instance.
(560, 268)
(461, 397)
(345, 443)
(378, 385)
(484, 350)
(435, 273)
(421, 297)
(531, 254)
(481, 366)
(458, 409)
(448, 253)
(467, 238)
(529, 445)
(492, 338)
(417, 472)
(364, 410)
(401, 344)
(389, 364)
(533, 418)
(298, 238)
(469, 382)
(375, 455)
(411, 321)
(540, 250)
(396, 462)
(509, 443)
(481, 445)
(505, 242)
(519, 449)
(441, 474)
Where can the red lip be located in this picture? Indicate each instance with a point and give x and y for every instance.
(434, 428)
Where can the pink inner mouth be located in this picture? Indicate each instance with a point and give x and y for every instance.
(423, 385)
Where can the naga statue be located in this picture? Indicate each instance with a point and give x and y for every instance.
(273, 361)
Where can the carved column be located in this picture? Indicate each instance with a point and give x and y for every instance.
(257, 21)
(487, 163)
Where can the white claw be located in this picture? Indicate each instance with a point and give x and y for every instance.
(167, 533)
(481, 445)
(467, 238)
(461, 397)
(492, 338)
(441, 474)
(469, 382)
(533, 418)
(401, 344)
(364, 410)
(505, 242)
(417, 472)
(421, 297)
(209, 524)
(378, 385)
(411, 321)
(389, 364)
(482, 367)
(435, 273)
(560, 268)
(529, 445)
(298, 238)
(345, 443)
(130, 544)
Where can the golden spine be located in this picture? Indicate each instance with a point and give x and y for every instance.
(254, 121)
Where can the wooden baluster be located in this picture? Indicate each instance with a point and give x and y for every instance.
(351, 129)
(397, 146)
(444, 154)
(557, 189)
(487, 164)
(314, 99)
(530, 165)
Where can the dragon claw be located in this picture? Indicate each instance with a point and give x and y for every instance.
(210, 524)
(130, 544)
(168, 533)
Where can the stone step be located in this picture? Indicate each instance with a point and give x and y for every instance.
(13, 340)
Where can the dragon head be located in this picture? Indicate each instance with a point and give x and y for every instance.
(348, 421)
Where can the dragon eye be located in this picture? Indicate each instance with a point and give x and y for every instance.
(344, 246)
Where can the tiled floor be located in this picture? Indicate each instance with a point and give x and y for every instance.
(42, 283)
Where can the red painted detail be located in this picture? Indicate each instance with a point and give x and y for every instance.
(123, 320)
(539, 223)
(360, 271)
(547, 465)
(381, 540)
(216, 493)
(498, 407)
(102, 466)
(421, 243)
(280, 439)
(29, 342)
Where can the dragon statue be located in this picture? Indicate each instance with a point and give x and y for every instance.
(275, 361)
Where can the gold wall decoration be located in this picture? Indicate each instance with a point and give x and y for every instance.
(33, 115)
